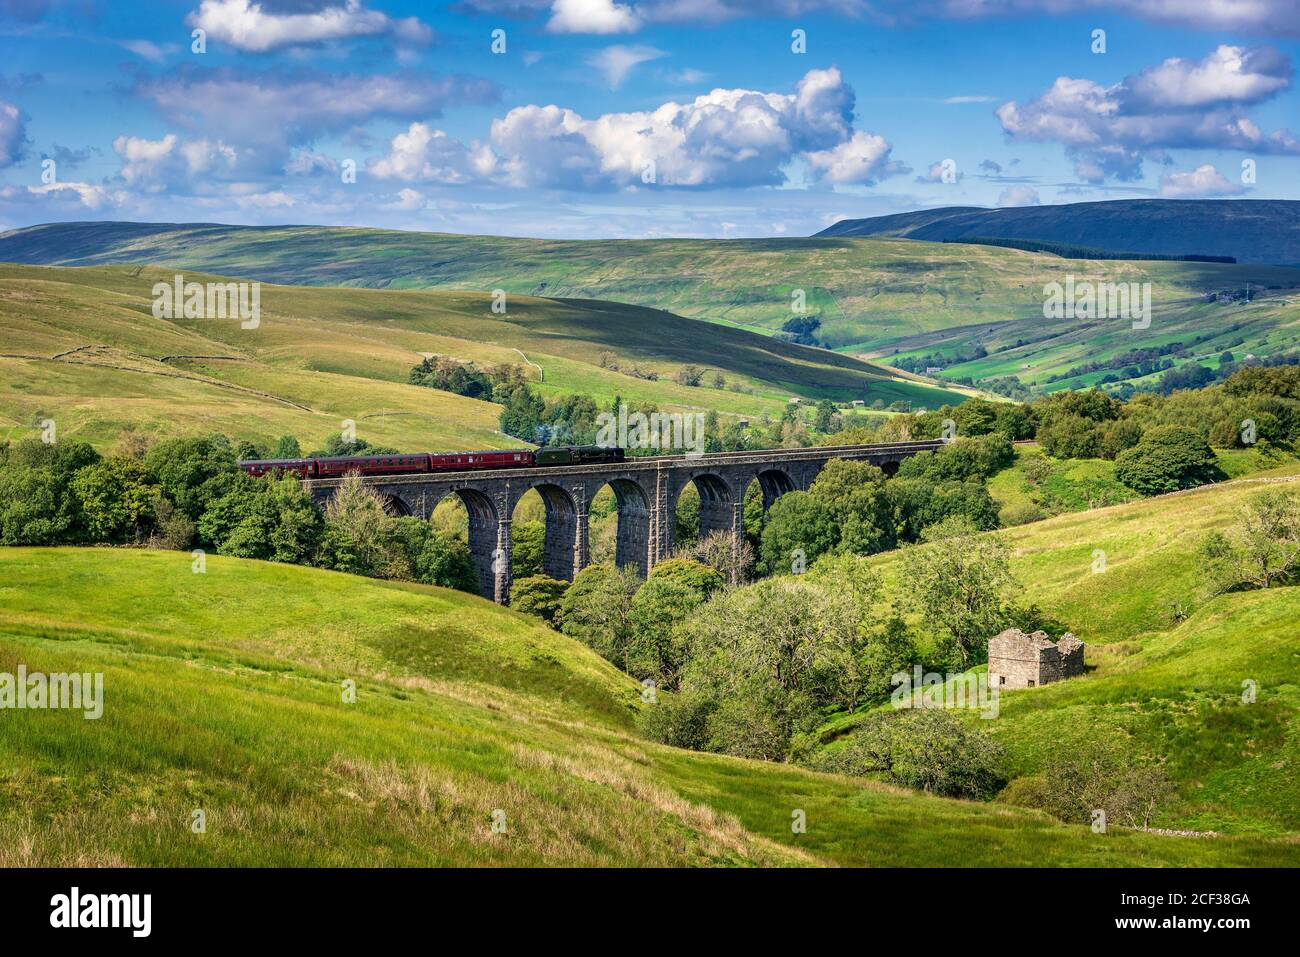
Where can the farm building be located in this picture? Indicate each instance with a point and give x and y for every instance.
(1018, 660)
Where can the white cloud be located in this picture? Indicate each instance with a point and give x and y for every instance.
(725, 138)
(85, 194)
(592, 16)
(1179, 104)
(1201, 182)
(423, 154)
(408, 201)
(265, 114)
(13, 134)
(155, 165)
(860, 160)
(1019, 195)
(617, 61)
(247, 26)
(935, 173)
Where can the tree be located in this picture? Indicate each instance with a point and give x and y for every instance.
(687, 571)
(1070, 437)
(959, 581)
(1168, 457)
(274, 520)
(358, 536)
(824, 421)
(1261, 547)
(193, 471)
(286, 447)
(763, 661)
(1098, 775)
(527, 540)
(435, 557)
(538, 595)
(798, 528)
(597, 610)
(729, 554)
(854, 495)
(116, 498)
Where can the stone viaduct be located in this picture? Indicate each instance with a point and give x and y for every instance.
(646, 491)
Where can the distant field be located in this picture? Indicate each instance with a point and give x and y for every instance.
(223, 693)
(81, 346)
(871, 294)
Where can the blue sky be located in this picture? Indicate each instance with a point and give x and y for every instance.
(604, 118)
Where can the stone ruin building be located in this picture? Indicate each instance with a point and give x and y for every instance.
(1018, 660)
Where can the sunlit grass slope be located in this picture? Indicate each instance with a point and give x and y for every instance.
(1169, 664)
(83, 347)
(223, 695)
(868, 292)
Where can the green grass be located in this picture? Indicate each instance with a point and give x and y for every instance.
(872, 294)
(223, 695)
(82, 347)
(1167, 661)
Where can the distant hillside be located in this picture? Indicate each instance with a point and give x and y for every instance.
(83, 347)
(859, 294)
(1250, 230)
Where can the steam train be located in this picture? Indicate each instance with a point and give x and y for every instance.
(426, 462)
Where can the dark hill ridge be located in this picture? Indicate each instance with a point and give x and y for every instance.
(1252, 230)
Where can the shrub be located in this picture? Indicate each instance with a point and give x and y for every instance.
(1168, 458)
(538, 595)
(597, 609)
(929, 749)
(1020, 513)
(679, 720)
(1099, 775)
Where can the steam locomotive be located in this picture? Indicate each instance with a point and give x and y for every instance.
(425, 462)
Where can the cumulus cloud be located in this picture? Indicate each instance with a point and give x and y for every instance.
(861, 160)
(249, 26)
(1199, 183)
(1019, 195)
(617, 62)
(83, 194)
(1108, 130)
(13, 134)
(724, 138)
(423, 154)
(156, 165)
(592, 16)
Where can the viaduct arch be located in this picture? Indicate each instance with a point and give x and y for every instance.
(646, 491)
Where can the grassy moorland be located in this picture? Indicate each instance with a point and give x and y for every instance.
(223, 694)
(872, 295)
(81, 346)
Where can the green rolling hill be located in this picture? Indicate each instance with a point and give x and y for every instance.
(1249, 230)
(81, 346)
(875, 297)
(223, 692)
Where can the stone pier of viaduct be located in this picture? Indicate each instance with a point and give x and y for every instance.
(646, 491)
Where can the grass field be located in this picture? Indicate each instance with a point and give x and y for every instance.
(872, 295)
(81, 346)
(1168, 662)
(223, 694)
